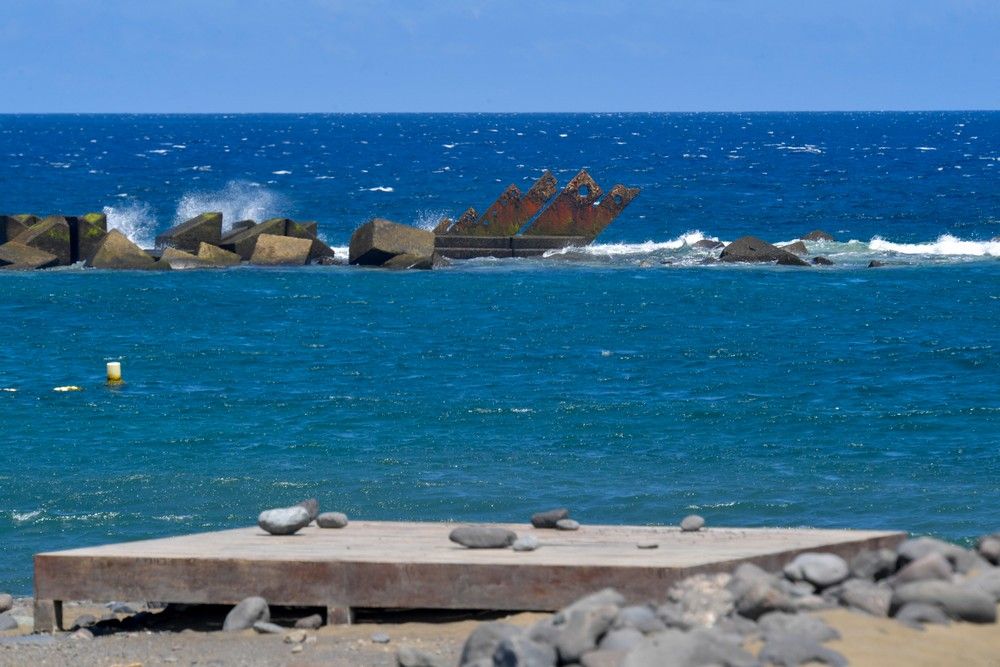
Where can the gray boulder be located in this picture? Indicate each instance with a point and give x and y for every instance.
(819, 260)
(988, 547)
(918, 613)
(273, 250)
(483, 537)
(482, 643)
(548, 518)
(6, 602)
(692, 523)
(959, 603)
(603, 597)
(332, 520)
(244, 241)
(312, 506)
(639, 617)
(249, 611)
(789, 650)
(522, 651)
(15, 256)
(582, 630)
(407, 656)
(697, 648)
(7, 622)
(284, 520)
(962, 560)
(819, 569)
(311, 622)
(755, 592)
(932, 566)
(708, 244)
(803, 625)
(818, 235)
(866, 596)
(621, 639)
(873, 564)
(796, 247)
(753, 249)
(205, 228)
(377, 241)
(51, 235)
(117, 252)
(987, 581)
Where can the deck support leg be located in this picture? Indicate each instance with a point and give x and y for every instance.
(338, 615)
(48, 615)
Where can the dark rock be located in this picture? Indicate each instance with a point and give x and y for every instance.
(873, 564)
(271, 250)
(798, 248)
(821, 261)
(215, 256)
(312, 506)
(548, 518)
(244, 242)
(377, 241)
(692, 523)
(525, 543)
(866, 596)
(522, 651)
(284, 520)
(931, 566)
(249, 611)
(962, 560)
(752, 249)
(819, 569)
(482, 643)
(205, 228)
(582, 629)
(330, 261)
(409, 261)
(408, 656)
(697, 648)
(818, 235)
(803, 625)
(639, 617)
(331, 520)
(567, 524)
(6, 602)
(239, 226)
(51, 235)
(308, 230)
(313, 622)
(959, 603)
(12, 226)
(622, 639)
(789, 650)
(86, 233)
(15, 256)
(268, 628)
(117, 252)
(483, 537)
(755, 592)
(7, 622)
(708, 244)
(988, 547)
(380, 638)
(875, 264)
(921, 612)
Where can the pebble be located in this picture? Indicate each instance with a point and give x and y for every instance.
(331, 520)
(483, 537)
(295, 636)
(820, 569)
(525, 543)
(692, 523)
(549, 518)
(284, 520)
(313, 622)
(7, 622)
(380, 638)
(246, 613)
(567, 524)
(6, 602)
(268, 628)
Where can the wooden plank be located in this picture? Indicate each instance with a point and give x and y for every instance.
(414, 565)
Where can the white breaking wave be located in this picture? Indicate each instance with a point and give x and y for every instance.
(645, 248)
(135, 220)
(944, 245)
(429, 219)
(239, 200)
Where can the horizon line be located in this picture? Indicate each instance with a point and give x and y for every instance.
(470, 113)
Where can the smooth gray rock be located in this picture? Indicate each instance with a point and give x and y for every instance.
(6, 602)
(407, 656)
(545, 631)
(931, 566)
(313, 622)
(621, 639)
(959, 603)
(603, 597)
(804, 625)
(331, 520)
(567, 524)
(918, 613)
(755, 592)
(583, 629)
(987, 582)
(692, 523)
(246, 613)
(639, 617)
(284, 520)
(380, 638)
(962, 560)
(703, 599)
(788, 650)
(483, 537)
(312, 506)
(873, 564)
(268, 628)
(866, 596)
(522, 651)
(796, 589)
(482, 643)
(988, 547)
(7, 622)
(525, 543)
(819, 569)
(697, 648)
(548, 518)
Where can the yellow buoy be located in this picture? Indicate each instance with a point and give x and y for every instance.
(114, 372)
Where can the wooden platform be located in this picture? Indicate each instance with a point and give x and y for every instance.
(413, 565)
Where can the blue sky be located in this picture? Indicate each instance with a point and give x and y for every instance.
(486, 55)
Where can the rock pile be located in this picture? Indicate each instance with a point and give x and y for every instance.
(710, 619)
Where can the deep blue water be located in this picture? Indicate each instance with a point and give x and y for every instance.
(626, 381)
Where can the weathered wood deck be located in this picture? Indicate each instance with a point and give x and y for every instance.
(413, 565)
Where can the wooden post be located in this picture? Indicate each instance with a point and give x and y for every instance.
(48, 615)
(338, 615)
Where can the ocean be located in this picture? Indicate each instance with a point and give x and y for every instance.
(628, 380)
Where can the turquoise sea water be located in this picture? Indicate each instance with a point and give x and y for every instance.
(627, 382)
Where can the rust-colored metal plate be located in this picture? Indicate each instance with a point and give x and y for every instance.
(510, 211)
(580, 209)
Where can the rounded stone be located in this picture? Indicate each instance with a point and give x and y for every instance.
(525, 543)
(331, 520)
(7, 622)
(483, 537)
(6, 602)
(549, 518)
(380, 638)
(819, 569)
(567, 524)
(692, 523)
(284, 520)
